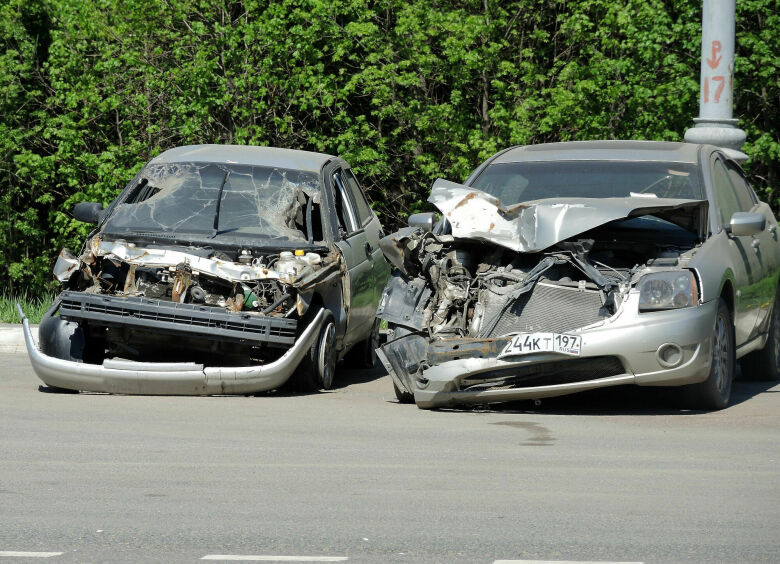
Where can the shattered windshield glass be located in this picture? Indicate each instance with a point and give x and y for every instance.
(513, 183)
(217, 201)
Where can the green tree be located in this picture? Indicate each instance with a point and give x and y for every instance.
(405, 91)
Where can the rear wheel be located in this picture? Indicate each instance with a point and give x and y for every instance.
(764, 364)
(715, 391)
(363, 354)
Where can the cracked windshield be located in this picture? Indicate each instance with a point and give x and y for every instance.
(217, 201)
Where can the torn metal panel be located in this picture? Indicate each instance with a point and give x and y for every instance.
(537, 225)
(65, 266)
(403, 302)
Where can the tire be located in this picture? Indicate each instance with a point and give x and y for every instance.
(764, 364)
(402, 395)
(715, 391)
(56, 390)
(317, 369)
(363, 354)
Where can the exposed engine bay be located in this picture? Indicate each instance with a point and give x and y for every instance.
(456, 297)
(232, 302)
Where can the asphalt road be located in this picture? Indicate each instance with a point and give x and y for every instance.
(621, 475)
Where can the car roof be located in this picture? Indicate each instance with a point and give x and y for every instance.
(245, 154)
(603, 151)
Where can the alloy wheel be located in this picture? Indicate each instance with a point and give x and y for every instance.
(721, 354)
(327, 356)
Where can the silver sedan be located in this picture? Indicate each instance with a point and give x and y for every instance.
(565, 267)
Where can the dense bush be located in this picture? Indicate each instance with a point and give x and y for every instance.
(406, 91)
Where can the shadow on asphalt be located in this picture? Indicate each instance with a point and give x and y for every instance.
(349, 376)
(621, 400)
(345, 376)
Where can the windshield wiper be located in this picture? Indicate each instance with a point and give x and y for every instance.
(219, 204)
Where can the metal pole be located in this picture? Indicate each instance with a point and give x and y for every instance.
(715, 124)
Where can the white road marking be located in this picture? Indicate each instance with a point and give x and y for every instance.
(561, 562)
(271, 558)
(19, 554)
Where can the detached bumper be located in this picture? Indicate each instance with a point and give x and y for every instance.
(151, 378)
(632, 342)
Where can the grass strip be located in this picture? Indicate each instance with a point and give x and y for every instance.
(34, 307)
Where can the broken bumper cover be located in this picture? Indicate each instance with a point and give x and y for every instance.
(625, 350)
(177, 319)
(151, 378)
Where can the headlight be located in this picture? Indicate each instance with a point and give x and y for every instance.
(667, 290)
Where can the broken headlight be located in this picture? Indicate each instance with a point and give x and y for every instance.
(667, 290)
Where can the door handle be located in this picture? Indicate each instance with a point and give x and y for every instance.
(369, 249)
(756, 243)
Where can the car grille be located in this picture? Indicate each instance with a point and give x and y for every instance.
(548, 307)
(545, 374)
(175, 318)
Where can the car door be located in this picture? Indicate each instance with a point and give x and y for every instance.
(353, 242)
(380, 268)
(747, 271)
(763, 246)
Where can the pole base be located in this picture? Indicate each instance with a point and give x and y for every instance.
(722, 133)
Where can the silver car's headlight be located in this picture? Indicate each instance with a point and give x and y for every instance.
(667, 290)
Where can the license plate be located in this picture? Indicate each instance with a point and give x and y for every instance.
(527, 343)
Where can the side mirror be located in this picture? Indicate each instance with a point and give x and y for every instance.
(747, 223)
(88, 212)
(424, 220)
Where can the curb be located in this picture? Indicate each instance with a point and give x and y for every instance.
(12, 338)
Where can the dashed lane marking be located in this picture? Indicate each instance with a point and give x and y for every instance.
(20, 554)
(273, 558)
(561, 562)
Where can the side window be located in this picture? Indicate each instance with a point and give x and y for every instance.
(745, 195)
(345, 210)
(724, 193)
(361, 204)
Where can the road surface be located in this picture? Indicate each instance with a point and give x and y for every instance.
(616, 475)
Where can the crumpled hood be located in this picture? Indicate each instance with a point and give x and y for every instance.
(539, 224)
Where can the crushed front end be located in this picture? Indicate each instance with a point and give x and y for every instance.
(490, 318)
(159, 319)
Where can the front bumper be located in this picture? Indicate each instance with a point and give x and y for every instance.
(632, 338)
(152, 378)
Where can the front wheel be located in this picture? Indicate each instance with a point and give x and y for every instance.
(317, 369)
(715, 391)
(764, 364)
(402, 395)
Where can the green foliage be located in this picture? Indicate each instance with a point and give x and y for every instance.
(405, 91)
(34, 306)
